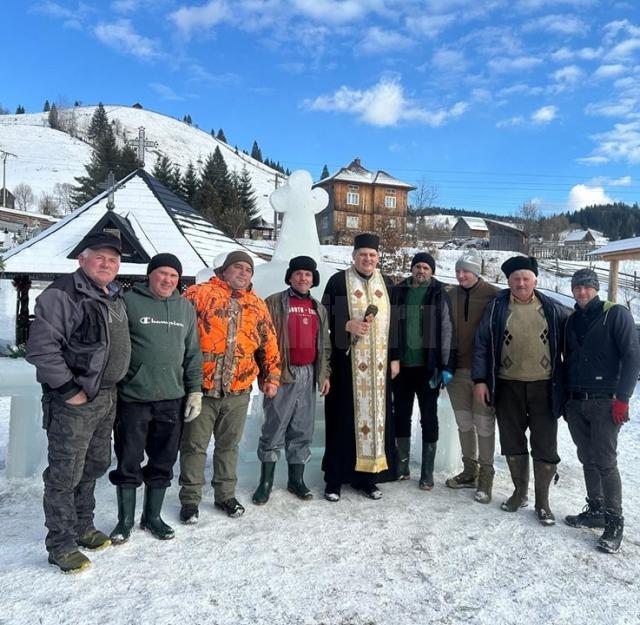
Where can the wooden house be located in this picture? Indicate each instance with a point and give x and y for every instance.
(470, 227)
(361, 201)
(506, 236)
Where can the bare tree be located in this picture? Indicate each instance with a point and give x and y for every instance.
(62, 192)
(47, 205)
(24, 196)
(424, 195)
(529, 214)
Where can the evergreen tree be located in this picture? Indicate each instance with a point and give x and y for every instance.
(247, 197)
(20, 110)
(99, 125)
(163, 170)
(189, 185)
(187, 119)
(325, 173)
(175, 183)
(47, 107)
(256, 152)
(54, 118)
(77, 103)
(220, 136)
(128, 161)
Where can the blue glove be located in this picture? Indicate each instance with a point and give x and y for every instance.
(446, 377)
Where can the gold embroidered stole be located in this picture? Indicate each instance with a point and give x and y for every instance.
(369, 369)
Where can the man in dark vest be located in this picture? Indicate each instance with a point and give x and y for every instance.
(602, 360)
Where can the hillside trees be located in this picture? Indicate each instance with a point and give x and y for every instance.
(325, 173)
(24, 196)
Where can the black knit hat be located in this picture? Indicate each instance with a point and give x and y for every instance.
(164, 260)
(424, 257)
(516, 263)
(305, 263)
(585, 277)
(366, 239)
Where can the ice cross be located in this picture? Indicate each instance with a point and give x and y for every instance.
(109, 183)
(141, 144)
(298, 203)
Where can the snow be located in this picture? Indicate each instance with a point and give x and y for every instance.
(47, 157)
(622, 245)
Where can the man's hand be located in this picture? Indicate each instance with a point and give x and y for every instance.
(620, 411)
(192, 406)
(481, 393)
(395, 368)
(269, 389)
(78, 399)
(325, 388)
(358, 328)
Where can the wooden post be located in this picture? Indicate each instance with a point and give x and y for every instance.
(613, 281)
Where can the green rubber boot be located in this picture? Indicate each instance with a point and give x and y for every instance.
(126, 514)
(151, 521)
(296, 483)
(261, 496)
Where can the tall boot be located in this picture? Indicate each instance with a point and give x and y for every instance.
(611, 539)
(543, 473)
(261, 496)
(126, 514)
(428, 459)
(519, 468)
(296, 483)
(486, 450)
(150, 520)
(403, 451)
(469, 475)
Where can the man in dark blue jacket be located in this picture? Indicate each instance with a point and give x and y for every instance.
(517, 368)
(602, 360)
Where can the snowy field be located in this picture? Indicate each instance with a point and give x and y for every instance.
(414, 557)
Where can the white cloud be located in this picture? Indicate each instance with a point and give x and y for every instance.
(559, 24)
(190, 18)
(622, 143)
(384, 104)
(379, 41)
(569, 75)
(165, 92)
(582, 195)
(624, 107)
(449, 60)
(623, 181)
(519, 89)
(544, 115)
(609, 71)
(567, 54)
(121, 36)
(518, 120)
(333, 11)
(625, 50)
(429, 25)
(516, 64)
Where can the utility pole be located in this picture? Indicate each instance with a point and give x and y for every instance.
(275, 213)
(4, 175)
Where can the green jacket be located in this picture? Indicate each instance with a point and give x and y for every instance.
(166, 362)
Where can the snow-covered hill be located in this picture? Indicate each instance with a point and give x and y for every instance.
(45, 157)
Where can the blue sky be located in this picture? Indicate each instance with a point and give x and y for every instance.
(493, 103)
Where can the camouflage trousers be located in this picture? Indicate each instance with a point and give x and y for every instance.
(79, 453)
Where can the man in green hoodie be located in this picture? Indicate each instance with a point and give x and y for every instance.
(166, 366)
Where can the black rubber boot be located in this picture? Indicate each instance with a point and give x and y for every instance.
(261, 496)
(126, 514)
(403, 450)
(428, 459)
(543, 474)
(296, 483)
(151, 521)
(611, 539)
(519, 468)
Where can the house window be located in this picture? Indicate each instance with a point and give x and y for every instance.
(353, 197)
(389, 201)
(352, 221)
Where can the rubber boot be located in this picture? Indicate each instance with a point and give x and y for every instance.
(543, 473)
(485, 484)
(403, 451)
(469, 475)
(611, 539)
(296, 483)
(126, 514)
(151, 521)
(519, 468)
(428, 459)
(261, 496)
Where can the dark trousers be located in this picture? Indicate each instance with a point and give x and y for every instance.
(596, 438)
(152, 427)
(79, 453)
(522, 406)
(409, 383)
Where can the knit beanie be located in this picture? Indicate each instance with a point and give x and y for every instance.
(470, 261)
(164, 260)
(424, 257)
(585, 277)
(238, 256)
(305, 263)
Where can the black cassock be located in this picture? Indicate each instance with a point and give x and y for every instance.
(339, 458)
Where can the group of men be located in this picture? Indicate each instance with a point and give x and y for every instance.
(166, 372)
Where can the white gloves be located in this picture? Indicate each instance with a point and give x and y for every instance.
(192, 406)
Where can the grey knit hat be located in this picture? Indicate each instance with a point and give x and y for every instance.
(470, 261)
(585, 277)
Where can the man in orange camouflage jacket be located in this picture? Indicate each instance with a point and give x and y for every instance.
(238, 342)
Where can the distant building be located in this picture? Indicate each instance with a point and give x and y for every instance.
(501, 235)
(17, 226)
(361, 201)
(7, 199)
(259, 229)
(470, 227)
